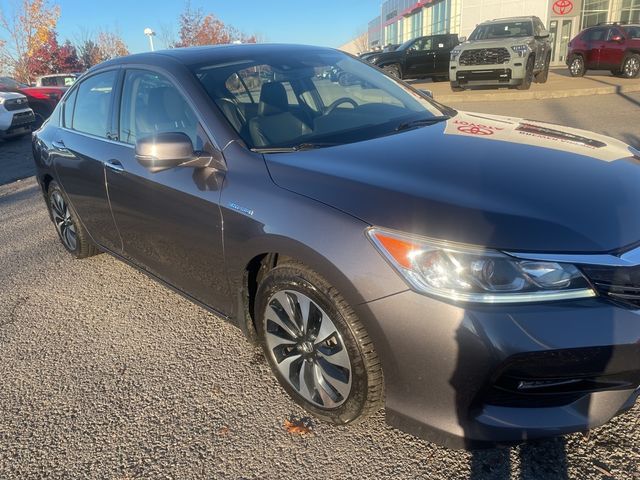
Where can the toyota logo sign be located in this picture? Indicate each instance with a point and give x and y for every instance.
(563, 7)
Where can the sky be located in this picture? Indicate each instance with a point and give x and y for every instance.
(324, 22)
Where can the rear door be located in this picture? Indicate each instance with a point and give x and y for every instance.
(81, 150)
(170, 221)
(420, 57)
(442, 46)
(595, 44)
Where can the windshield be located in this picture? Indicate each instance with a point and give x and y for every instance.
(9, 82)
(317, 97)
(492, 31)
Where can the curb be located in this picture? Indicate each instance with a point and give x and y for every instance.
(536, 95)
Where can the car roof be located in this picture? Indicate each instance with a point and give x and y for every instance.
(510, 19)
(212, 53)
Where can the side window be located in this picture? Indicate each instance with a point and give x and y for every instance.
(539, 27)
(613, 32)
(151, 104)
(596, 35)
(92, 104)
(423, 44)
(69, 103)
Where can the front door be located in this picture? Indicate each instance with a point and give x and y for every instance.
(613, 51)
(170, 221)
(595, 40)
(80, 150)
(420, 57)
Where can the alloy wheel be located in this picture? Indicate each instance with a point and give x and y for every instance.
(632, 67)
(307, 349)
(576, 66)
(63, 221)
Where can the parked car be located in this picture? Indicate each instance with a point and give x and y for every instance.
(381, 247)
(16, 117)
(508, 52)
(418, 58)
(42, 100)
(57, 80)
(611, 47)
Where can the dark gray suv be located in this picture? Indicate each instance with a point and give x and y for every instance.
(477, 275)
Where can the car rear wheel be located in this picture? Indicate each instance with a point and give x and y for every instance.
(576, 67)
(394, 70)
(528, 75)
(631, 66)
(71, 232)
(316, 346)
(456, 88)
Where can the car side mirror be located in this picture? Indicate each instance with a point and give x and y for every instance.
(543, 36)
(428, 93)
(169, 150)
(617, 39)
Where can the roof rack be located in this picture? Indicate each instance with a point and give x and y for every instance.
(603, 24)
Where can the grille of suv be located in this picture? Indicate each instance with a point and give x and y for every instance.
(16, 104)
(618, 283)
(485, 56)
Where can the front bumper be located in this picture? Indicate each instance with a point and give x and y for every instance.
(20, 124)
(453, 374)
(511, 74)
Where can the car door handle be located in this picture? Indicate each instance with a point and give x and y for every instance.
(114, 165)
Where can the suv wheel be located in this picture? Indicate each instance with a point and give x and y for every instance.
(316, 346)
(528, 75)
(576, 67)
(394, 70)
(71, 232)
(631, 66)
(543, 75)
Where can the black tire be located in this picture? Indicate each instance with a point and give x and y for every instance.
(365, 395)
(577, 67)
(543, 75)
(528, 75)
(456, 88)
(631, 66)
(616, 73)
(394, 70)
(83, 247)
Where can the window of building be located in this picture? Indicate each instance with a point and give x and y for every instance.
(93, 103)
(630, 11)
(414, 23)
(594, 12)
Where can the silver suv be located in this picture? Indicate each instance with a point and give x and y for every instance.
(511, 52)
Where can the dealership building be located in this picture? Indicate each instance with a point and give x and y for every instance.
(402, 20)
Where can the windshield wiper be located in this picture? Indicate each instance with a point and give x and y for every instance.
(422, 122)
(295, 148)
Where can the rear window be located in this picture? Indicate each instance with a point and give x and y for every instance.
(633, 32)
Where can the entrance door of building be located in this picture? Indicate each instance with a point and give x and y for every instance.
(561, 32)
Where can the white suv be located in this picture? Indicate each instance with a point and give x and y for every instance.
(16, 117)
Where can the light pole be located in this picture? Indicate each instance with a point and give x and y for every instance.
(150, 33)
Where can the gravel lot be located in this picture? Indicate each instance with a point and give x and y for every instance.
(105, 374)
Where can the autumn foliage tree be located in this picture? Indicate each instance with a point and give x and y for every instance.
(28, 31)
(51, 57)
(198, 28)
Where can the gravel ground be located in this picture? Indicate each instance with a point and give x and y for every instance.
(16, 160)
(105, 374)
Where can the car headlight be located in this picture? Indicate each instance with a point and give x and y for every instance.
(473, 274)
(521, 50)
(1, 100)
(455, 54)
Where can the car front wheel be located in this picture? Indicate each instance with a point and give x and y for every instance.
(631, 66)
(316, 346)
(576, 67)
(393, 70)
(71, 232)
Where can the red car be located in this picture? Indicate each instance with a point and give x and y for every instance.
(42, 100)
(612, 47)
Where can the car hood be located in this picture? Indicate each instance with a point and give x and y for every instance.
(483, 180)
(11, 95)
(495, 43)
